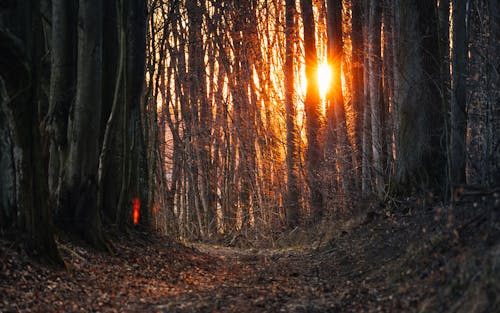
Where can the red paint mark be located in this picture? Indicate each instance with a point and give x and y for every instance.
(154, 209)
(136, 211)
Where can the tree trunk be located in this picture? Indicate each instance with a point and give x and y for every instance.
(313, 114)
(421, 159)
(80, 181)
(292, 157)
(357, 88)
(62, 93)
(375, 85)
(366, 169)
(20, 90)
(494, 93)
(459, 92)
(483, 143)
(336, 117)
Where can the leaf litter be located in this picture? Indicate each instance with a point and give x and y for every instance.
(409, 258)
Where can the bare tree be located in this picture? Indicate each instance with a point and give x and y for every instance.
(313, 114)
(335, 115)
(357, 88)
(292, 157)
(375, 85)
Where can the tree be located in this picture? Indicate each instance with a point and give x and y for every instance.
(459, 91)
(79, 191)
(483, 113)
(20, 82)
(420, 160)
(292, 157)
(357, 88)
(335, 114)
(62, 91)
(375, 85)
(313, 114)
(366, 142)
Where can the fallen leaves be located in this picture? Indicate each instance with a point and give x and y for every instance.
(387, 265)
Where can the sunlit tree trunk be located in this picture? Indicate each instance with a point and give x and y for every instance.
(313, 114)
(292, 157)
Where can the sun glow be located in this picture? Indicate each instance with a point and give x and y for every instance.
(324, 77)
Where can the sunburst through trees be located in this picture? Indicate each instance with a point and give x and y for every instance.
(265, 106)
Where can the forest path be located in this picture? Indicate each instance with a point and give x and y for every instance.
(350, 274)
(251, 280)
(397, 260)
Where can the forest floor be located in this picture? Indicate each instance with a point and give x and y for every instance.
(405, 257)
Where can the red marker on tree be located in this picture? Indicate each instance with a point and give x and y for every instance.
(136, 210)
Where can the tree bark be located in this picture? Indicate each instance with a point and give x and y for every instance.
(292, 157)
(459, 92)
(62, 93)
(421, 160)
(80, 180)
(375, 85)
(357, 88)
(336, 117)
(20, 89)
(313, 114)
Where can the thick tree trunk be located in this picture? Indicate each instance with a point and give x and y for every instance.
(483, 139)
(111, 154)
(80, 180)
(20, 83)
(420, 163)
(62, 93)
(136, 15)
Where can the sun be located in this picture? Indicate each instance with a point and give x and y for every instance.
(324, 77)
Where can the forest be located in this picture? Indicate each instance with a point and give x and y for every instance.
(249, 156)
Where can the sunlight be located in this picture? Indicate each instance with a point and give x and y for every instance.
(324, 77)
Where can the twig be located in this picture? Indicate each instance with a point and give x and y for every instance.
(67, 249)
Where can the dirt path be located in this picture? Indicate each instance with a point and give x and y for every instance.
(402, 260)
(258, 281)
(154, 277)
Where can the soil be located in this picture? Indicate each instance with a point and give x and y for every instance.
(404, 257)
